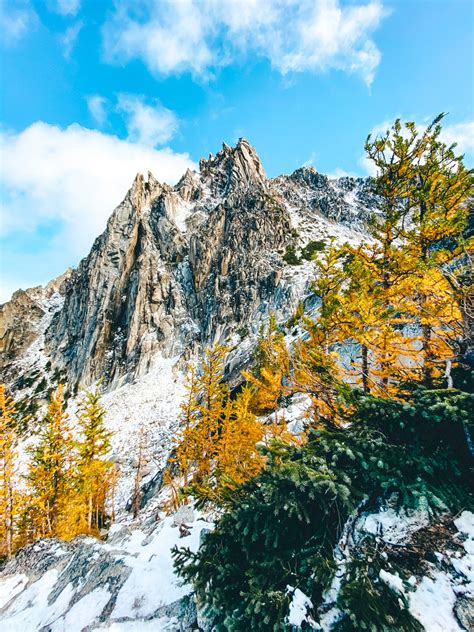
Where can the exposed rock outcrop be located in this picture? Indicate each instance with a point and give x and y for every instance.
(21, 317)
(178, 268)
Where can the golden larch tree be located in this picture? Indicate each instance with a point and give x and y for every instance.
(9, 493)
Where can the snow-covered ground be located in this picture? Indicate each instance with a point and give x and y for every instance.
(126, 583)
(150, 404)
(433, 593)
(35, 358)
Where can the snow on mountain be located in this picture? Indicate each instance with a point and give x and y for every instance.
(126, 581)
(177, 269)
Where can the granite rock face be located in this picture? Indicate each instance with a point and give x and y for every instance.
(23, 317)
(182, 267)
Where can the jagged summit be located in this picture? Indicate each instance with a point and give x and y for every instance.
(181, 267)
(189, 187)
(233, 168)
(144, 191)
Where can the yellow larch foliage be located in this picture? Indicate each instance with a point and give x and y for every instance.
(9, 493)
(238, 459)
(50, 476)
(201, 416)
(94, 471)
(425, 189)
(216, 449)
(188, 419)
(270, 371)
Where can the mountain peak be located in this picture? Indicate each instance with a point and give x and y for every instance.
(143, 191)
(233, 168)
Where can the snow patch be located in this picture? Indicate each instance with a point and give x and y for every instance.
(393, 581)
(299, 606)
(152, 403)
(465, 524)
(83, 612)
(31, 610)
(162, 624)
(152, 582)
(392, 526)
(432, 604)
(10, 587)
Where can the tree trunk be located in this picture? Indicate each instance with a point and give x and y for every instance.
(427, 354)
(138, 476)
(89, 513)
(365, 369)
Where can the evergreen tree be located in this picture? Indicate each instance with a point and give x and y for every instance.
(271, 368)
(237, 459)
(201, 416)
(188, 420)
(213, 393)
(425, 188)
(280, 528)
(372, 300)
(216, 447)
(316, 369)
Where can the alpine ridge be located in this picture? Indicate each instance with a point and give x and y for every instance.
(181, 267)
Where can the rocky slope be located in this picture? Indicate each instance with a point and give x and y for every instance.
(181, 267)
(26, 316)
(176, 269)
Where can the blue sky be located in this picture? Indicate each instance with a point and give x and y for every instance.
(95, 90)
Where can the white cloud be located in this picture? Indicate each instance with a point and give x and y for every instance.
(341, 173)
(97, 106)
(69, 37)
(65, 7)
(200, 36)
(149, 125)
(460, 133)
(70, 179)
(15, 20)
(310, 161)
(147, 122)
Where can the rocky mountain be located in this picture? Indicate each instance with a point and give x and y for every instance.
(26, 315)
(181, 267)
(177, 269)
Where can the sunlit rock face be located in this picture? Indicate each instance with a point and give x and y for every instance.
(182, 267)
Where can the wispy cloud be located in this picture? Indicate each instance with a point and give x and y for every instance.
(341, 173)
(311, 160)
(150, 124)
(69, 37)
(200, 36)
(147, 121)
(462, 134)
(97, 106)
(65, 7)
(16, 20)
